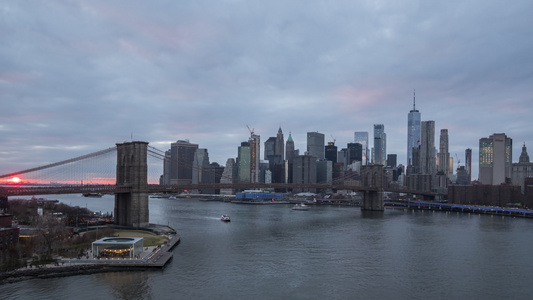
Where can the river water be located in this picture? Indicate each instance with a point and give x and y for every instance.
(329, 252)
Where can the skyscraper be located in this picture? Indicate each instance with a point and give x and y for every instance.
(243, 162)
(380, 144)
(392, 160)
(200, 163)
(331, 152)
(181, 160)
(468, 164)
(444, 155)
(270, 147)
(255, 152)
(280, 143)
(229, 175)
(315, 144)
(413, 131)
(289, 148)
(167, 165)
(495, 159)
(361, 137)
(427, 148)
(355, 151)
(304, 170)
(522, 170)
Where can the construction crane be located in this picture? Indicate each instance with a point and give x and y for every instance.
(251, 130)
(458, 161)
(334, 139)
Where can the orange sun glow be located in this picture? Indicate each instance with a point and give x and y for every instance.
(15, 180)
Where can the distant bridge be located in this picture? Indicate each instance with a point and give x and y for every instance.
(131, 186)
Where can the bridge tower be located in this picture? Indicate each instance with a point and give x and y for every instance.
(131, 208)
(372, 176)
(3, 200)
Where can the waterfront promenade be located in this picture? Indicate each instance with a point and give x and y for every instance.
(489, 210)
(151, 258)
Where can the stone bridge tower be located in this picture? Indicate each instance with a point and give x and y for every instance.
(131, 209)
(372, 177)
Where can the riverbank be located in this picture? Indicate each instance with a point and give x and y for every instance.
(154, 257)
(50, 271)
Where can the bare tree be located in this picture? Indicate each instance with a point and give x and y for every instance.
(51, 230)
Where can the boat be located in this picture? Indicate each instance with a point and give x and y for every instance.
(93, 195)
(300, 207)
(225, 218)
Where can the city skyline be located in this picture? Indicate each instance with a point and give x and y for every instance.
(80, 77)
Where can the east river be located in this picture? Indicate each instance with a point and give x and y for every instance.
(328, 252)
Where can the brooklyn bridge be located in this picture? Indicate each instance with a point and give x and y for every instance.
(131, 186)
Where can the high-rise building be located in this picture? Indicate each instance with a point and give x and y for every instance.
(342, 157)
(212, 174)
(462, 176)
(181, 160)
(380, 144)
(243, 162)
(270, 147)
(200, 163)
(427, 148)
(468, 164)
(361, 137)
(229, 175)
(255, 152)
(167, 165)
(280, 143)
(315, 144)
(444, 155)
(331, 152)
(289, 148)
(522, 170)
(324, 171)
(413, 131)
(355, 152)
(304, 170)
(495, 159)
(392, 160)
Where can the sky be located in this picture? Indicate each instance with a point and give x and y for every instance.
(80, 76)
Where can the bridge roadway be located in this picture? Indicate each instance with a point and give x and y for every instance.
(22, 190)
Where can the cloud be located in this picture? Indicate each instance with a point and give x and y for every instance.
(81, 76)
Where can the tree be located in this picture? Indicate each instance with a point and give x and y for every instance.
(50, 230)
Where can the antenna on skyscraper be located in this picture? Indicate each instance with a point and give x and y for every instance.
(414, 102)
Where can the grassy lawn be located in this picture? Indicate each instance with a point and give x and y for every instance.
(150, 238)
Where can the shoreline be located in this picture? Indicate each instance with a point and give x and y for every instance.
(158, 260)
(62, 271)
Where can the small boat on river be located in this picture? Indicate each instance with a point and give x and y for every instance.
(93, 195)
(300, 207)
(225, 218)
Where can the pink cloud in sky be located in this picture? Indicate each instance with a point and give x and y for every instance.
(351, 97)
(14, 77)
(173, 37)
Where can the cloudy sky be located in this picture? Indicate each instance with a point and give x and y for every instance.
(79, 76)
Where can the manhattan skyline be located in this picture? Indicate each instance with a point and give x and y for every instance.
(79, 77)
